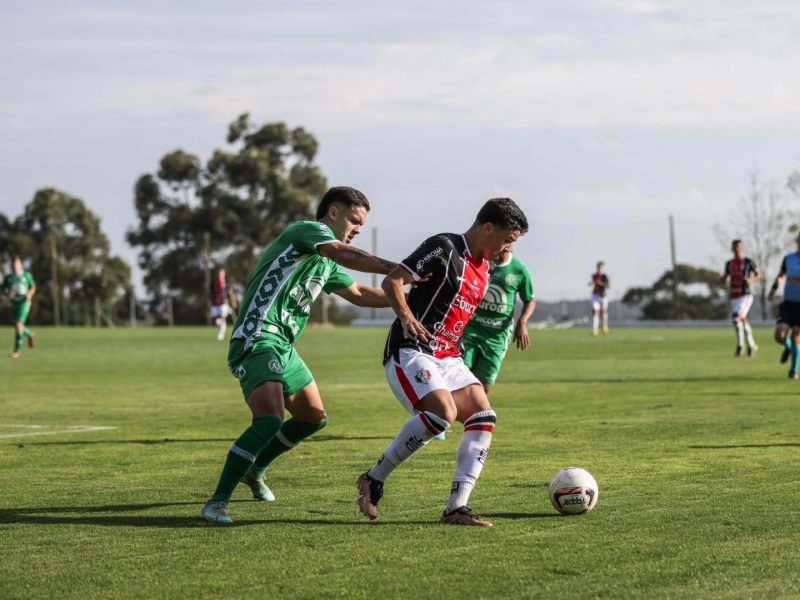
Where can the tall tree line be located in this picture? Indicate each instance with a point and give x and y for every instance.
(195, 216)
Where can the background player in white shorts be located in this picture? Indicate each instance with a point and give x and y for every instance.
(599, 284)
(220, 294)
(423, 356)
(742, 273)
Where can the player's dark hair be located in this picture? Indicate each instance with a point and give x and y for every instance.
(16, 257)
(505, 213)
(735, 243)
(346, 196)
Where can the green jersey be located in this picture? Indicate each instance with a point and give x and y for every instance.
(18, 286)
(494, 319)
(288, 278)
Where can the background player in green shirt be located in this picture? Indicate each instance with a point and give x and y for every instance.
(302, 262)
(492, 329)
(20, 287)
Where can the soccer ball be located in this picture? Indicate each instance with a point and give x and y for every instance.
(573, 491)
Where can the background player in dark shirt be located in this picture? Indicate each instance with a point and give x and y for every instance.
(599, 284)
(221, 293)
(742, 273)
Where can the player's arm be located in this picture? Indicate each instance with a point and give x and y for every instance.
(392, 286)
(31, 293)
(778, 281)
(355, 258)
(521, 328)
(362, 295)
(756, 277)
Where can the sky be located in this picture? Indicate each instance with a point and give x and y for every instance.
(599, 118)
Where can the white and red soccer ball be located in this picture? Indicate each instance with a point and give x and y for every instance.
(573, 491)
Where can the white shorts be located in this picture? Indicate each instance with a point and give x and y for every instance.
(418, 374)
(220, 311)
(741, 306)
(599, 303)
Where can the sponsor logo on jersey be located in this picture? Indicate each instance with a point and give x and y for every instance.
(274, 365)
(305, 293)
(423, 376)
(429, 257)
(495, 300)
(511, 279)
(458, 327)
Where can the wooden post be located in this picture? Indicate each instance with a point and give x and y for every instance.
(132, 306)
(170, 315)
(97, 311)
(207, 268)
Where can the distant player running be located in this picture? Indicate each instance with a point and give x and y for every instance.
(599, 284)
(302, 262)
(492, 329)
(422, 357)
(20, 287)
(221, 294)
(789, 316)
(742, 273)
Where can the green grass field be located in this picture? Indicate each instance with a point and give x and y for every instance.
(696, 455)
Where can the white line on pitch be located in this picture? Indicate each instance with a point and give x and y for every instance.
(73, 429)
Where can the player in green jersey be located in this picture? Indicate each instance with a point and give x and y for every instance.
(491, 330)
(302, 262)
(20, 287)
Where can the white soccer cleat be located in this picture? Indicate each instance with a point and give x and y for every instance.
(259, 488)
(216, 512)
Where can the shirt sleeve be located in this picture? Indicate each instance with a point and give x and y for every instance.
(29, 279)
(728, 268)
(431, 256)
(338, 279)
(753, 269)
(526, 291)
(783, 267)
(307, 236)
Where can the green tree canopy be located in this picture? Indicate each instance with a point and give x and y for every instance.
(223, 213)
(55, 225)
(699, 294)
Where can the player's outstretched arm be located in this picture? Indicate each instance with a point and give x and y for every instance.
(775, 285)
(361, 295)
(521, 328)
(393, 285)
(356, 258)
(31, 292)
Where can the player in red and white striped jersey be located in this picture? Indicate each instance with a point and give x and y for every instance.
(423, 353)
(742, 273)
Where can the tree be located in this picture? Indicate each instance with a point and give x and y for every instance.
(55, 225)
(700, 295)
(762, 221)
(224, 213)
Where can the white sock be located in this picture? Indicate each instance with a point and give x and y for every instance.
(223, 326)
(471, 456)
(415, 435)
(748, 331)
(739, 333)
(595, 322)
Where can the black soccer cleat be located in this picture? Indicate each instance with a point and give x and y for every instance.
(792, 375)
(785, 356)
(738, 352)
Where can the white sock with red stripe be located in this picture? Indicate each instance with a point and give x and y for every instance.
(415, 434)
(472, 453)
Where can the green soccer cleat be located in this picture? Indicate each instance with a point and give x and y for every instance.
(216, 512)
(260, 490)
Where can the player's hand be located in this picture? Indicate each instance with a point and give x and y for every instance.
(422, 279)
(414, 329)
(521, 337)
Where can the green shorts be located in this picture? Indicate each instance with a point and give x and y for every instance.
(19, 311)
(271, 363)
(484, 360)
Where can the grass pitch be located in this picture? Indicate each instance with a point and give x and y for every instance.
(696, 455)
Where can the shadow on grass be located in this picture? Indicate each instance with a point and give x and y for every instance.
(520, 515)
(57, 516)
(321, 438)
(776, 445)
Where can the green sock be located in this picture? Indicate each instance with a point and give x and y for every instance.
(17, 342)
(243, 453)
(292, 433)
(27, 333)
